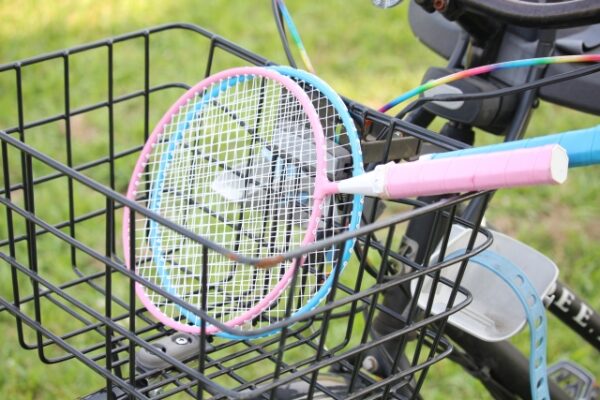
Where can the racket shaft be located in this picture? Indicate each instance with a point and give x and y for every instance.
(582, 146)
(522, 167)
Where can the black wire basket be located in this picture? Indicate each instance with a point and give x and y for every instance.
(66, 158)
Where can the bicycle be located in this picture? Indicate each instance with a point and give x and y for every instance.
(160, 375)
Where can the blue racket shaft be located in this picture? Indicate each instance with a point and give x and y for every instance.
(582, 146)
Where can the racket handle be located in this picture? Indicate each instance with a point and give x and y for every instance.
(582, 146)
(521, 167)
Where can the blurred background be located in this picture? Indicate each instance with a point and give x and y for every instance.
(366, 54)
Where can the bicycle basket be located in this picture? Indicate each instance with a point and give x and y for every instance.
(66, 161)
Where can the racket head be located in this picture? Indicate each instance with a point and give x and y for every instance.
(343, 160)
(199, 110)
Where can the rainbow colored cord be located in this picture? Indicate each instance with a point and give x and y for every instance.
(295, 35)
(487, 69)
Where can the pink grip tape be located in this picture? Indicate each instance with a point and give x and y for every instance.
(522, 167)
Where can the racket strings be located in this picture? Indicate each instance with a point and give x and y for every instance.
(336, 210)
(236, 165)
(231, 133)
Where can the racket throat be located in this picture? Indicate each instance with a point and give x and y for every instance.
(369, 184)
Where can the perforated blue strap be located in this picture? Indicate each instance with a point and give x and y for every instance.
(534, 310)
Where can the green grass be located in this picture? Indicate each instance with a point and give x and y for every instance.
(365, 53)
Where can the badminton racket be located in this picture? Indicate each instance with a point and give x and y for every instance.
(340, 213)
(233, 161)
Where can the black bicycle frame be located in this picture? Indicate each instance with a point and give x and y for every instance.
(576, 314)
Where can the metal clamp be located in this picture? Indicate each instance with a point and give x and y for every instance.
(180, 346)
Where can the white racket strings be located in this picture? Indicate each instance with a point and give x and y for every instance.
(238, 168)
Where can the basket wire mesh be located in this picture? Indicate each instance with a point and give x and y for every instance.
(65, 167)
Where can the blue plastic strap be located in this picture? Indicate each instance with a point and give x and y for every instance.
(534, 310)
(582, 146)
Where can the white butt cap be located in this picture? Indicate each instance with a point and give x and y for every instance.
(559, 166)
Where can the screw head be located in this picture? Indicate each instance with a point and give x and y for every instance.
(370, 364)
(181, 340)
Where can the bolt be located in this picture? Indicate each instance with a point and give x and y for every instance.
(370, 364)
(181, 340)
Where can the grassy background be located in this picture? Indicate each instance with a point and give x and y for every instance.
(365, 53)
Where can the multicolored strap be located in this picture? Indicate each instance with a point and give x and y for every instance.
(485, 69)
